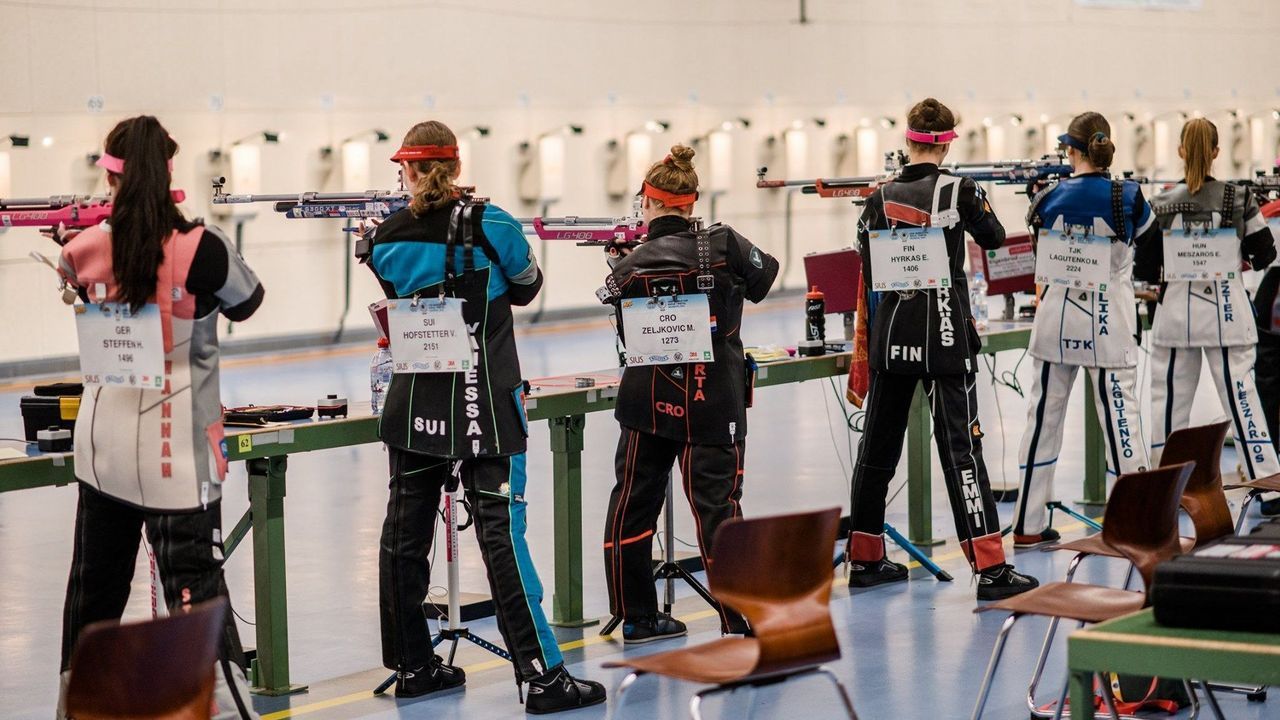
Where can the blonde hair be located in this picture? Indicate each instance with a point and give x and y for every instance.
(1199, 140)
(675, 174)
(434, 188)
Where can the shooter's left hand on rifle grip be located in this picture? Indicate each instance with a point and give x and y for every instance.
(60, 235)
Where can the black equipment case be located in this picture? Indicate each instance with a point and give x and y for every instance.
(54, 405)
(1231, 584)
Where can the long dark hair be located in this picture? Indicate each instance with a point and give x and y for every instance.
(143, 213)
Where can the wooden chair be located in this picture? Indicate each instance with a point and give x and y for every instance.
(163, 669)
(1204, 500)
(777, 572)
(1141, 523)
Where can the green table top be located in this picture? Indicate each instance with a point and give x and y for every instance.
(1137, 644)
(549, 398)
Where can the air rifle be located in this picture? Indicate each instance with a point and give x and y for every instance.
(1003, 172)
(69, 212)
(381, 204)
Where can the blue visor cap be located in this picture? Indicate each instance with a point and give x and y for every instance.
(1066, 139)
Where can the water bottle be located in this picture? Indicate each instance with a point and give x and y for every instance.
(978, 300)
(380, 369)
(815, 323)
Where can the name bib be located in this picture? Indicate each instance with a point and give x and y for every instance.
(1073, 259)
(429, 336)
(667, 330)
(120, 348)
(1199, 253)
(909, 259)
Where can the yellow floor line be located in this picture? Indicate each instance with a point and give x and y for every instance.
(572, 645)
(469, 669)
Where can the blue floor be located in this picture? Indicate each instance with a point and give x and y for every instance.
(910, 651)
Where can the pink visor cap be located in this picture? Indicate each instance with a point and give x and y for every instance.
(931, 138)
(113, 164)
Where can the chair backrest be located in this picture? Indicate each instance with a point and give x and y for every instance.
(158, 669)
(777, 571)
(1141, 520)
(1204, 499)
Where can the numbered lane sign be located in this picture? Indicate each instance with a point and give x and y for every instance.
(1073, 258)
(1195, 252)
(429, 336)
(909, 259)
(119, 348)
(663, 331)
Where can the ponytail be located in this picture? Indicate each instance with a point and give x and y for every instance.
(434, 188)
(1199, 141)
(143, 213)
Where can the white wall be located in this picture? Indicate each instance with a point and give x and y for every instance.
(322, 70)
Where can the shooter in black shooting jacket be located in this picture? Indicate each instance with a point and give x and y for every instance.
(673, 410)
(926, 334)
(467, 424)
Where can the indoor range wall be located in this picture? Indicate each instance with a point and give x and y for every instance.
(825, 97)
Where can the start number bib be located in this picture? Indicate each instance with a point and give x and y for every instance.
(1199, 253)
(909, 259)
(429, 336)
(662, 331)
(120, 348)
(1073, 259)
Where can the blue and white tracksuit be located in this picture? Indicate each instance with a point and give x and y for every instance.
(1209, 322)
(1094, 330)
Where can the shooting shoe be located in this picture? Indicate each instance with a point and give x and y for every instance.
(556, 690)
(1270, 508)
(1030, 541)
(877, 572)
(658, 626)
(432, 677)
(1002, 581)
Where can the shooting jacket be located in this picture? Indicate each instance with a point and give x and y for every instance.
(927, 331)
(476, 252)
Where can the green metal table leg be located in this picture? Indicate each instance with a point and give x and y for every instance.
(266, 507)
(919, 473)
(1082, 689)
(566, 470)
(1095, 456)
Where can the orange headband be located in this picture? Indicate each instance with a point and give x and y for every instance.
(668, 198)
(426, 152)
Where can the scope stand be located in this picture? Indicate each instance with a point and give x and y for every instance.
(901, 541)
(455, 631)
(669, 570)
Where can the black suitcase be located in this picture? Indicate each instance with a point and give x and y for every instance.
(1231, 584)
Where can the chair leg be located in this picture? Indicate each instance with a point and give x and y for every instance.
(695, 702)
(1108, 698)
(619, 695)
(1039, 671)
(1213, 701)
(840, 688)
(991, 666)
(1062, 699)
(1244, 509)
(1190, 689)
(1075, 563)
(1128, 578)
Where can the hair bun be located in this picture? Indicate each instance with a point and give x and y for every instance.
(681, 157)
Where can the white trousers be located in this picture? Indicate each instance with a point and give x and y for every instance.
(1114, 398)
(1175, 373)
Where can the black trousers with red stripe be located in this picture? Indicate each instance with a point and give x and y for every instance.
(712, 478)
